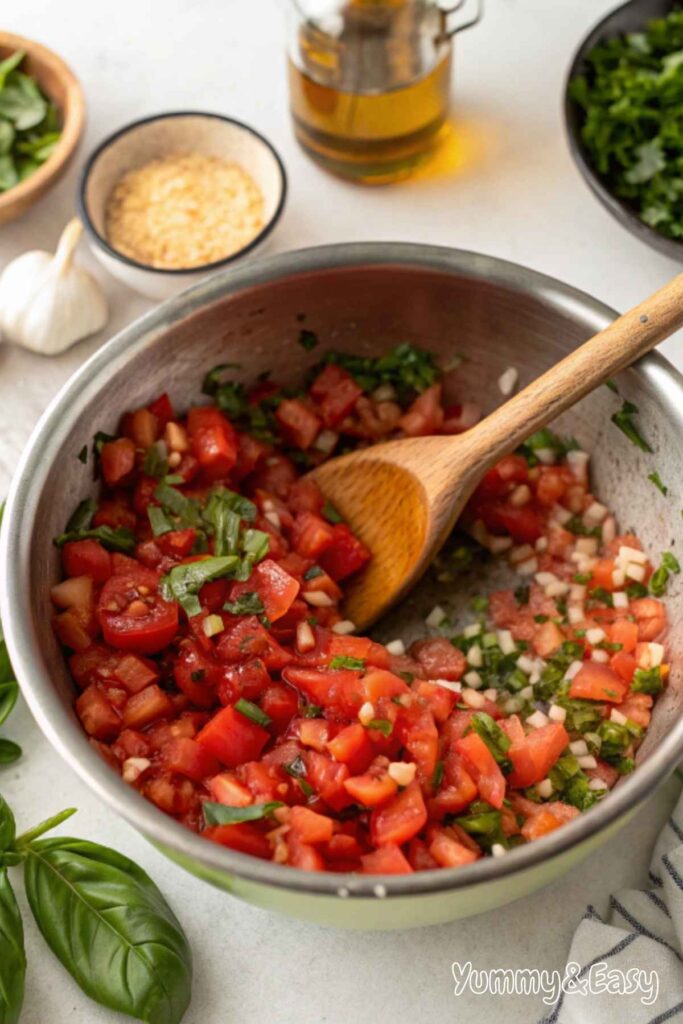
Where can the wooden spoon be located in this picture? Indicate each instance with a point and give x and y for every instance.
(402, 498)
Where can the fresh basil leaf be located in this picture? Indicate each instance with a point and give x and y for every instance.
(342, 661)
(656, 479)
(6, 670)
(183, 582)
(40, 147)
(624, 420)
(9, 64)
(313, 573)
(6, 137)
(12, 955)
(9, 752)
(296, 768)
(155, 462)
(9, 176)
(159, 521)
(382, 725)
(9, 691)
(82, 516)
(670, 562)
(331, 514)
(221, 814)
(111, 928)
(246, 604)
(119, 539)
(7, 825)
(253, 711)
(177, 504)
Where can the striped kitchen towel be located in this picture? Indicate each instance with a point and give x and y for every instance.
(628, 966)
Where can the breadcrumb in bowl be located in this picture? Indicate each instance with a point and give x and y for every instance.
(184, 210)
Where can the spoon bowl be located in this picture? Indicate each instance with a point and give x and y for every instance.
(402, 498)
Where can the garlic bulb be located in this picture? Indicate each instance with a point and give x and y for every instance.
(47, 302)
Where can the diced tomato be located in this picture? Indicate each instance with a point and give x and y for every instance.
(248, 679)
(602, 575)
(595, 681)
(162, 409)
(280, 703)
(136, 673)
(315, 733)
(99, 717)
(552, 484)
(498, 481)
(225, 788)
(341, 691)
(117, 459)
(146, 706)
(448, 851)
(303, 855)
(86, 558)
(636, 707)
(298, 423)
(93, 664)
(335, 393)
(353, 747)
(425, 415)
(482, 765)
(345, 555)
(400, 819)
(359, 647)
(177, 543)
(311, 535)
(548, 638)
(374, 787)
(114, 513)
(71, 632)
(388, 860)
(243, 837)
(624, 665)
(275, 587)
(136, 619)
(187, 757)
(309, 826)
(248, 639)
(439, 658)
(625, 633)
(533, 757)
(196, 675)
(650, 617)
(327, 778)
(523, 524)
(214, 441)
(547, 819)
(233, 738)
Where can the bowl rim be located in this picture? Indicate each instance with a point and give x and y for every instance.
(73, 114)
(58, 723)
(205, 268)
(619, 209)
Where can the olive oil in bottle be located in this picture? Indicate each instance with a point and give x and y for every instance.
(369, 88)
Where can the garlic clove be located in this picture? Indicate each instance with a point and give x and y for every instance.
(47, 302)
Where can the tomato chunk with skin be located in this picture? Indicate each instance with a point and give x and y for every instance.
(132, 614)
(388, 860)
(483, 767)
(275, 587)
(213, 439)
(99, 717)
(87, 558)
(243, 837)
(345, 555)
(117, 459)
(336, 393)
(400, 819)
(533, 757)
(595, 681)
(233, 738)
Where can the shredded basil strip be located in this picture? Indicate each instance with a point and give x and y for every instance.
(342, 661)
(382, 725)
(183, 582)
(246, 604)
(624, 420)
(252, 711)
(656, 479)
(119, 539)
(222, 814)
(82, 516)
(159, 521)
(177, 504)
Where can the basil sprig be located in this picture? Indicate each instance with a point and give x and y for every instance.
(102, 916)
(9, 691)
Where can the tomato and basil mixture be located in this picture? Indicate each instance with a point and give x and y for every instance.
(217, 674)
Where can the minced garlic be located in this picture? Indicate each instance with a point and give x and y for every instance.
(183, 210)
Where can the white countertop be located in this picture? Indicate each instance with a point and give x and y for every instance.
(514, 192)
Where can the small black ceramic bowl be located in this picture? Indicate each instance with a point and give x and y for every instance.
(630, 17)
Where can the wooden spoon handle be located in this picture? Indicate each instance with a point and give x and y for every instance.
(612, 349)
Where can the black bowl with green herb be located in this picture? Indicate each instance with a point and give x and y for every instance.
(623, 104)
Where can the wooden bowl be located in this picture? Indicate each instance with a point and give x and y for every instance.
(59, 84)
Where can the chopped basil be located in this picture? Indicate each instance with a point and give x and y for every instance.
(616, 738)
(83, 454)
(577, 526)
(222, 814)
(311, 711)
(99, 441)
(657, 481)
(183, 582)
(308, 340)
(408, 369)
(636, 590)
(306, 788)
(612, 386)
(670, 562)
(479, 605)
(582, 715)
(313, 573)
(483, 822)
(331, 514)
(174, 478)
(177, 504)
(155, 463)
(647, 680)
(624, 420)
(438, 775)
(246, 604)
(581, 577)
(407, 677)
(540, 619)
(545, 439)
(602, 596)
(252, 711)
(197, 675)
(158, 520)
(659, 581)
(81, 518)
(342, 661)
(119, 539)
(382, 725)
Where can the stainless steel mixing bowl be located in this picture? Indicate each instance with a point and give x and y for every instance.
(362, 298)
